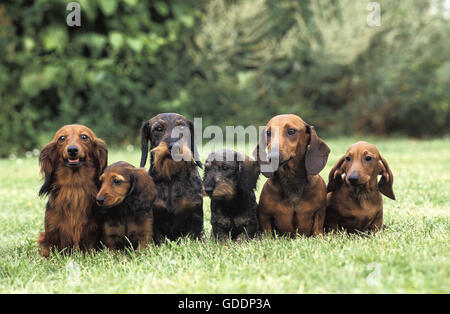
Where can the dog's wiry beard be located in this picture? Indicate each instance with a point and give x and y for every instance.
(163, 162)
(224, 191)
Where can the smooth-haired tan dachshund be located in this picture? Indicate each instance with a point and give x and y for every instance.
(293, 199)
(354, 199)
(126, 199)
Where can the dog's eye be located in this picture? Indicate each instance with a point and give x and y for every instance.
(225, 167)
(268, 133)
(61, 139)
(117, 182)
(159, 129)
(348, 158)
(291, 132)
(84, 137)
(368, 158)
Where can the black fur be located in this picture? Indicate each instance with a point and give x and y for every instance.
(233, 211)
(178, 209)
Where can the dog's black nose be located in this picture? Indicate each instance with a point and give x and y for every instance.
(175, 145)
(100, 200)
(72, 151)
(209, 190)
(353, 178)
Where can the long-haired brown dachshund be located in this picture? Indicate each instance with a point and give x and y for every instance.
(125, 199)
(178, 209)
(71, 164)
(355, 202)
(293, 199)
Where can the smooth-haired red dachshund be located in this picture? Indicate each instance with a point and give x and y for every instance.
(354, 199)
(293, 199)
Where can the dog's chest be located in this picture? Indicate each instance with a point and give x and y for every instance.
(358, 214)
(177, 196)
(73, 207)
(123, 229)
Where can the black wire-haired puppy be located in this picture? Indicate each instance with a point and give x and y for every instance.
(178, 209)
(125, 199)
(230, 180)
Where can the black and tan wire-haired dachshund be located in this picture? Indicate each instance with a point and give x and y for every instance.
(125, 201)
(178, 209)
(71, 164)
(230, 180)
(354, 199)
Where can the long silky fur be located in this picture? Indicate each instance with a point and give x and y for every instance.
(69, 213)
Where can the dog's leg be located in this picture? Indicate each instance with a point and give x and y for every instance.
(44, 246)
(144, 232)
(266, 223)
(113, 234)
(377, 223)
(319, 220)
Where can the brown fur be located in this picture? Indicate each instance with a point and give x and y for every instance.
(126, 199)
(178, 209)
(293, 199)
(166, 165)
(358, 205)
(69, 218)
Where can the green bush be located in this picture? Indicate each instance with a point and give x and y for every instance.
(319, 59)
(125, 63)
(231, 62)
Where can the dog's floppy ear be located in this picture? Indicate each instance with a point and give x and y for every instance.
(335, 176)
(142, 192)
(387, 179)
(249, 171)
(47, 160)
(145, 137)
(259, 153)
(193, 146)
(317, 153)
(100, 155)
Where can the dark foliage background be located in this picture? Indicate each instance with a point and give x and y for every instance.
(230, 62)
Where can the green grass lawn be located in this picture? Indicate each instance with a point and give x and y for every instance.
(411, 255)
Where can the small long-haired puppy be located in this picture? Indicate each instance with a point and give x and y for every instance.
(125, 199)
(178, 209)
(71, 164)
(230, 180)
(354, 199)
